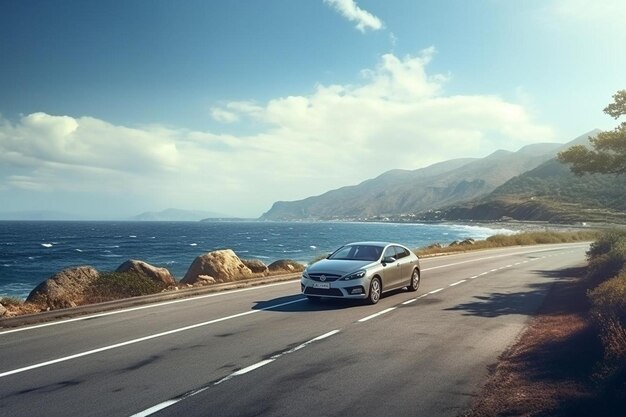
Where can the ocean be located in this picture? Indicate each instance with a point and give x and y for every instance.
(30, 252)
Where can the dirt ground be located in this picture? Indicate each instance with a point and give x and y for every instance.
(549, 370)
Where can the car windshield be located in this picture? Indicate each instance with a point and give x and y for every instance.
(357, 253)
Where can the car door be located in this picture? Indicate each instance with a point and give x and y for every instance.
(406, 265)
(392, 271)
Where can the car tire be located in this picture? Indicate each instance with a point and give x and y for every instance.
(415, 281)
(375, 291)
(313, 298)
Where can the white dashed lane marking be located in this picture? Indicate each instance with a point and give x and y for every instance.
(380, 313)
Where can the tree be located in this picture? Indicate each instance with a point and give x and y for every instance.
(608, 149)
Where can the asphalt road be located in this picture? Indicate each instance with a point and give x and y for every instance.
(267, 351)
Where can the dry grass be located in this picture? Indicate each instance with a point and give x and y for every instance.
(518, 239)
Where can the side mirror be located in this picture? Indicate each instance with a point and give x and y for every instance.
(388, 260)
(328, 256)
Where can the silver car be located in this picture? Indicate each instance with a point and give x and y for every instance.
(362, 270)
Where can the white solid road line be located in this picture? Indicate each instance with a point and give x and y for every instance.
(457, 283)
(141, 339)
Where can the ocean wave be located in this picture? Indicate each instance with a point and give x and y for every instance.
(483, 230)
(78, 250)
(132, 236)
(292, 251)
(111, 255)
(260, 256)
(170, 262)
(313, 247)
(193, 244)
(47, 245)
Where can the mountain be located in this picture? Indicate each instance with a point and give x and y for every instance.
(176, 215)
(549, 192)
(399, 192)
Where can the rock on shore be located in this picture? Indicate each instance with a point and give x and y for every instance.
(285, 266)
(64, 289)
(221, 265)
(158, 275)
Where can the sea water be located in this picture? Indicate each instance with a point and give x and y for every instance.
(31, 252)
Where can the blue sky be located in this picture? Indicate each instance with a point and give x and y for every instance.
(111, 108)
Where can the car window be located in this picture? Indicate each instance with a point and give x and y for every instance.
(357, 253)
(390, 252)
(401, 252)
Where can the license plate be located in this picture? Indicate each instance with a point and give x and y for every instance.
(322, 285)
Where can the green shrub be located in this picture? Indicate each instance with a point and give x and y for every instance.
(607, 256)
(606, 242)
(609, 298)
(117, 285)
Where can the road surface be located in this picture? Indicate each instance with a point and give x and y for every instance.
(267, 351)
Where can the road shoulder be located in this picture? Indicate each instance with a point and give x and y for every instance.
(548, 371)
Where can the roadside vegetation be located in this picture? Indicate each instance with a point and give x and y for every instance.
(571, 359)
(500, 241)
(607, 265)
(117, 285)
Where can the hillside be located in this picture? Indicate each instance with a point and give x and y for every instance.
(550, 192)
(399, 191)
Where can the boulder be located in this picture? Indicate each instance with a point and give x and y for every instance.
(255, 265)
(158, 275)
(3, 310)
(285, 266)
(64, 289)
(468, 241)
(222, 265)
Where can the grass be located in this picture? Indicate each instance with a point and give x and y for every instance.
(518, 239)
(116, 285)
(607, 264)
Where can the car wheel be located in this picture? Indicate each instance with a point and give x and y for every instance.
(375, 291)
(313, 298)
(415, 281)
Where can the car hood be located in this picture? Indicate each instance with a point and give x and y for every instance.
(337, 266)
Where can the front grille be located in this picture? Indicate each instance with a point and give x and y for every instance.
(329, 277)
(332, 292)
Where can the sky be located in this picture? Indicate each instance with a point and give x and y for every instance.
(109, 109)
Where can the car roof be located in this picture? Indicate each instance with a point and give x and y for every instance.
(373, 243)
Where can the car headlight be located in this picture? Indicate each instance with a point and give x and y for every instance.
(355, 275)
(305, 275)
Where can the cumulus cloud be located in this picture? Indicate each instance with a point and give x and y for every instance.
(396, 116)
(349, 9)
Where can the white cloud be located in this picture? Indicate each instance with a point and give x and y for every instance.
(350, 10)
(223, 116)
(396, 117)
